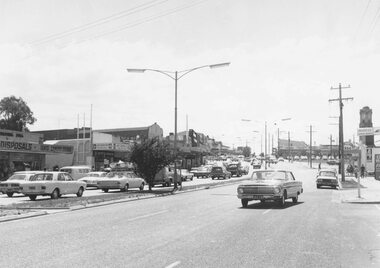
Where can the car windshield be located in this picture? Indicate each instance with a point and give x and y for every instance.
(217, 169)
(268, 175)
(18, 177)
(327, 173)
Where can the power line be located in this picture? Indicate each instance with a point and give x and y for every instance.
(362, 18)
(142, 21)
(98, 22)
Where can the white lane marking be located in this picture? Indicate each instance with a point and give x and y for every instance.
(148, 215)
(378, 207)
(266, 211)
(174, 264)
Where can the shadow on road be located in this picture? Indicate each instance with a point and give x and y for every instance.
(271, 205)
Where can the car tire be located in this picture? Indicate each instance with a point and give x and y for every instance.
(212, 178)
(32, 197)
(191, 178)
(244, 203)
(318, 186)
(105, 190)
(141, 187)
(295, 199)
(262, 201)
(80, 192)
(55, 194)
(282, 200)
(9, 194)
(126, 186)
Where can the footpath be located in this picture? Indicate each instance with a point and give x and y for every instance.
(369, 190)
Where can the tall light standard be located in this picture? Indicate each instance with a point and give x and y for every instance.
(176, 75)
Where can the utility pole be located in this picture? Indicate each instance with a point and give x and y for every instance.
(289, 145)
(265, 155)
(311, 145)
(341, 137)
(331, 145)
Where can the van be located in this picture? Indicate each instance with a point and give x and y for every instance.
(165, 177)
(76, 172)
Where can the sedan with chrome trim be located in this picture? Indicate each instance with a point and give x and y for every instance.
(264, 185)
(122, 180)
(91, 178)
(12, 184)
(327, 177)
(54, 184)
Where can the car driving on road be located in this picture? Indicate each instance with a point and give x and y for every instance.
(122, 180)
(277, 185)
(220, 172)
(327, 177)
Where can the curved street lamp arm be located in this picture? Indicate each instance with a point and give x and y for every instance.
(167, 73)
(185, 72)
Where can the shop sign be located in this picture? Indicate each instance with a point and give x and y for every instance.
(14, 145)
(122, 147)
(377, 166)
(369, 154)
(368, 131)
(102, 146)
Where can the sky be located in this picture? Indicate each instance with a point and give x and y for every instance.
(64, 56)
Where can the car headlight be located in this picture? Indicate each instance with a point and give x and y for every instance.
(277, 190)
(240, 190)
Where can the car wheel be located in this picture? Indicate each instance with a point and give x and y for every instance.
(32, 197)
(295, 199)
(191, 178)
(55, 194)
(244, 203)
(105, 190)
(125, 188)
(282, 200)
(80, 192)
(9, 194)
(262, 201)
(141, 187)
(318, 186)
(212, 177)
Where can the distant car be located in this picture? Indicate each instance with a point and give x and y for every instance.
(220, 172)
(296, 157)
(277, 185)
(281, 159)
(256, 164)
(54, 184)
(327, 177)
(244, 169)
(235, 169)
(332, 161)
(123, 180)
(202, 172)
(91, 178)
(12, 184)
(186, 175)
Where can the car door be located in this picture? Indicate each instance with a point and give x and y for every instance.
(71, 185)
(61, 183)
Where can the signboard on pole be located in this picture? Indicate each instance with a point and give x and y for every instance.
(377, 166)
(369, 154)
(368, 131)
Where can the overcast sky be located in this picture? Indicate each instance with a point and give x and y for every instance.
(62, 56)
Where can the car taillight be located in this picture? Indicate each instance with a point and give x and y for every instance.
(43, 187)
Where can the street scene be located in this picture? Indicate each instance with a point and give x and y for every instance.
(189, 133)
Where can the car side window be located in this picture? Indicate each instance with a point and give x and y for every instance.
(68, 177)
(61, 177)
(48, 177)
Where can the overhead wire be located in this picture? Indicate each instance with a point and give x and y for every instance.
(375, 21)
(362, 18)
(98, 22)
(140, 21)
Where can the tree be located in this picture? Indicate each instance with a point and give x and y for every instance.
(246, 151)
(15, 114)
(150, 157)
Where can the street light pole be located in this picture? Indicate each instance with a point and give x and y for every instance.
(176, 77)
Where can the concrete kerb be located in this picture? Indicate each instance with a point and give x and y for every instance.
(184, 189)
(370, 192)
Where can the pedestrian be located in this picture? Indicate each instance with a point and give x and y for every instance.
(356, 171)
(319, 166)
(362, 171)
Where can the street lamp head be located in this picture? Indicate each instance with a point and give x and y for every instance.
(136, 70)
(219, 65)
(286, 119)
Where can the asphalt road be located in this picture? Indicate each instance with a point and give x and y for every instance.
(206, 228)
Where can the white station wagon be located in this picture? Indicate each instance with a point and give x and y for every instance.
(53, 183)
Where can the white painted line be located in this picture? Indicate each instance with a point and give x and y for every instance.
(148, 215)
(378, 207)
(174, 264)
(266, 211)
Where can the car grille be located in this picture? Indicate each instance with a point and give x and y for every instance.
(258, 190)
(328, 180)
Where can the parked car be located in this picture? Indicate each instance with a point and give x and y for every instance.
(186, 175)
(235, 169)
(91, 178)
(327, 177)
(202, 172)
(220, 172)
(277, 185)
(256, 164)
(281, 159)
(122, 180)
(54, 184)
(12, 184)
(76, 172)
(244, 169)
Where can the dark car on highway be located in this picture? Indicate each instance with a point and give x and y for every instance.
(219, 172)
(235, 169)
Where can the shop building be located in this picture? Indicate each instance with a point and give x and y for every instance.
(25, 151)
